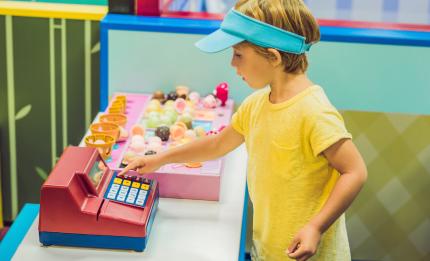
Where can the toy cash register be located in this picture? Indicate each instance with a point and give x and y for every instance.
(85, 204)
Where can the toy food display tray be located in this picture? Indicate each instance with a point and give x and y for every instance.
(133, 110)
(183, 180)
(176, 180)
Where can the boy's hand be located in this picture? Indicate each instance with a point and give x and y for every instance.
(305, 243)
(144, 164)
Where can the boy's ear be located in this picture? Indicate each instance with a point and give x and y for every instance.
(277, 58)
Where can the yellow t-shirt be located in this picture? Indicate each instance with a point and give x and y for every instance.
(289, 179)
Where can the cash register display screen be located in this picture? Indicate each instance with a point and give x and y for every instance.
(96, 172)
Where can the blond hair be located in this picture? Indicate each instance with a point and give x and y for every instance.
(290, 15)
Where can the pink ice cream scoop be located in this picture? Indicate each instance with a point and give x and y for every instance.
(180, 105)
(221, 92)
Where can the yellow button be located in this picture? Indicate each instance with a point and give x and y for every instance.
(145, 187)
(117, 181)
(135, 185)
(126, 183)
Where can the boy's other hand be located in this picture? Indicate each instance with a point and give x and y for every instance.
(143, 165)
(305, 243)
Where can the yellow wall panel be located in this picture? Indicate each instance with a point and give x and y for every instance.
(51, 10)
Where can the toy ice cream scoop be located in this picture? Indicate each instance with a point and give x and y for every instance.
(180, 105)
(163, 132)
(221, 92)
(209, 102)
(194, 97)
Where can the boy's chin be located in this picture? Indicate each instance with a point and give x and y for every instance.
(256, 86)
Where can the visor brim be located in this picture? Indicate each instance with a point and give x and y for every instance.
(217, 42)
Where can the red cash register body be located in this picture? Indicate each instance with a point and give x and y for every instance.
(75, 209)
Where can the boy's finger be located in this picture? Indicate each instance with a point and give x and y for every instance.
(141, 169)
(305, 257)
(130, 166)
(123, 171)
(299, 253)
(293, 246)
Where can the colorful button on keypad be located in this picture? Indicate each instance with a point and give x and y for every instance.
(129, 190)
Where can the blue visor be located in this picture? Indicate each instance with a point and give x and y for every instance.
(238, 27)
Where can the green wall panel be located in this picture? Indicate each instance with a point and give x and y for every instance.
(54, 90)
(94, 71)
(76, 77)
(5, 190)
(32, 92)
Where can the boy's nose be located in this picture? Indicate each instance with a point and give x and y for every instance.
(232, 63)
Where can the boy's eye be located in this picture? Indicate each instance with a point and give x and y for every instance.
(237, 55)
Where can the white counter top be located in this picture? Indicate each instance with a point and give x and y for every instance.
(183, 229)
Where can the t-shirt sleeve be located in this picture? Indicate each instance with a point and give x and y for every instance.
(327, 128)
(239, 121)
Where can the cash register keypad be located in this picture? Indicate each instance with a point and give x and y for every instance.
(130, 190)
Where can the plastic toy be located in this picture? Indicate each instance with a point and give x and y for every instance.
(106, 128)
(102, 142)
(221, 92)
(84, 203)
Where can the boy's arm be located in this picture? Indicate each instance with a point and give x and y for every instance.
(346, 159)
(202, 149)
